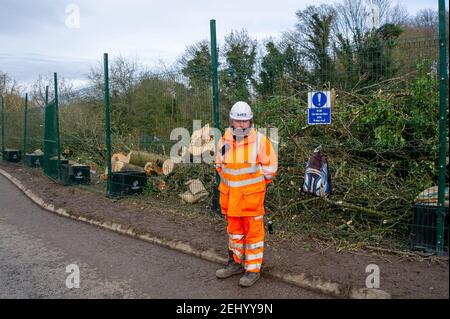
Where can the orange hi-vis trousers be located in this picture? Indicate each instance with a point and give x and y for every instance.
(246, 241)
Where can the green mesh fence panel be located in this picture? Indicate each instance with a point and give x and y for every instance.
(14, 129)
(145, 121)
(35, 130)
(51, 142)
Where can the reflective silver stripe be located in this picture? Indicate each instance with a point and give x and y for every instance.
(269, 176)
(237, 253)
(252, 169)
(256, 149)
(246, 182)
(259, 217)
(269, 169)
(255, 245)
(235, 236)
(234, 245)
(254, 256)
(252, 266)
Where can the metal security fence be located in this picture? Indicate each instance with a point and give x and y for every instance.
(385, 145)
(161, 111)
(13, 128)
(52, 143)
(382, 146)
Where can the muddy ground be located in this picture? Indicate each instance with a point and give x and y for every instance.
(400, 275)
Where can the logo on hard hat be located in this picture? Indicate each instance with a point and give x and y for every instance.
(242, 114)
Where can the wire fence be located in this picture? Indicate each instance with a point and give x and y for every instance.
(382, 145)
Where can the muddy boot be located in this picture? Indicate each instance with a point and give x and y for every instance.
(249, 279)
(232, 268)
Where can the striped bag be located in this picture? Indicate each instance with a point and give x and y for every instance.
(317, 177)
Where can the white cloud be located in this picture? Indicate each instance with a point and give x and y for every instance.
(153, 30)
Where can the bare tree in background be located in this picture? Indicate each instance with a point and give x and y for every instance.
(427, 19)
(65, 89)
(8, 85)
(312, 38)
(398, 15)
(356, 17)
(11, 92)
(124, 73)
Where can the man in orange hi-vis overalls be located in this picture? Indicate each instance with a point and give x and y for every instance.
(246, 162)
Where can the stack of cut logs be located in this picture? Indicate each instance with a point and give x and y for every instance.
(151, 164)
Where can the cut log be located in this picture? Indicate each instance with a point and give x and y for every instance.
(188, 198)
(142, 158)
(152, 169)
(196, 186)
(168, 167)
(115, 158)
(120, 162)
(195, 193)
(120, 157)
(149, 169)
(160, 185)
(120, 166)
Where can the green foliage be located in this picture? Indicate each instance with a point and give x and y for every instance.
(272, 70)
(367, 59)
(313, 33)
(319, 38)
(240, 55)
(196, 64)
(393, 123)
(281, 72)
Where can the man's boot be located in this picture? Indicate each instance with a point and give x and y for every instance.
(232, 268)
(249, 279)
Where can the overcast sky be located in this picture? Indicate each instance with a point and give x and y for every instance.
(40, 37)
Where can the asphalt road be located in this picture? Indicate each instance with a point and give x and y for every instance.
(36, 247)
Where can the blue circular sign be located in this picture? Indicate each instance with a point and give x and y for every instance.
(319, 99)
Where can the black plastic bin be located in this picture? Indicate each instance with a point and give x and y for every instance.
(423, 228)
(75, 174)
(33, 160)
(12, 155)
(81, 174)
(127, 183)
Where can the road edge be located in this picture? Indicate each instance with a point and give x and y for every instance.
(301, 280)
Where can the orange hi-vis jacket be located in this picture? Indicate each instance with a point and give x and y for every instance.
(245, 169)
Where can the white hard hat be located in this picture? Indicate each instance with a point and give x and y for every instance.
(241, 111)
